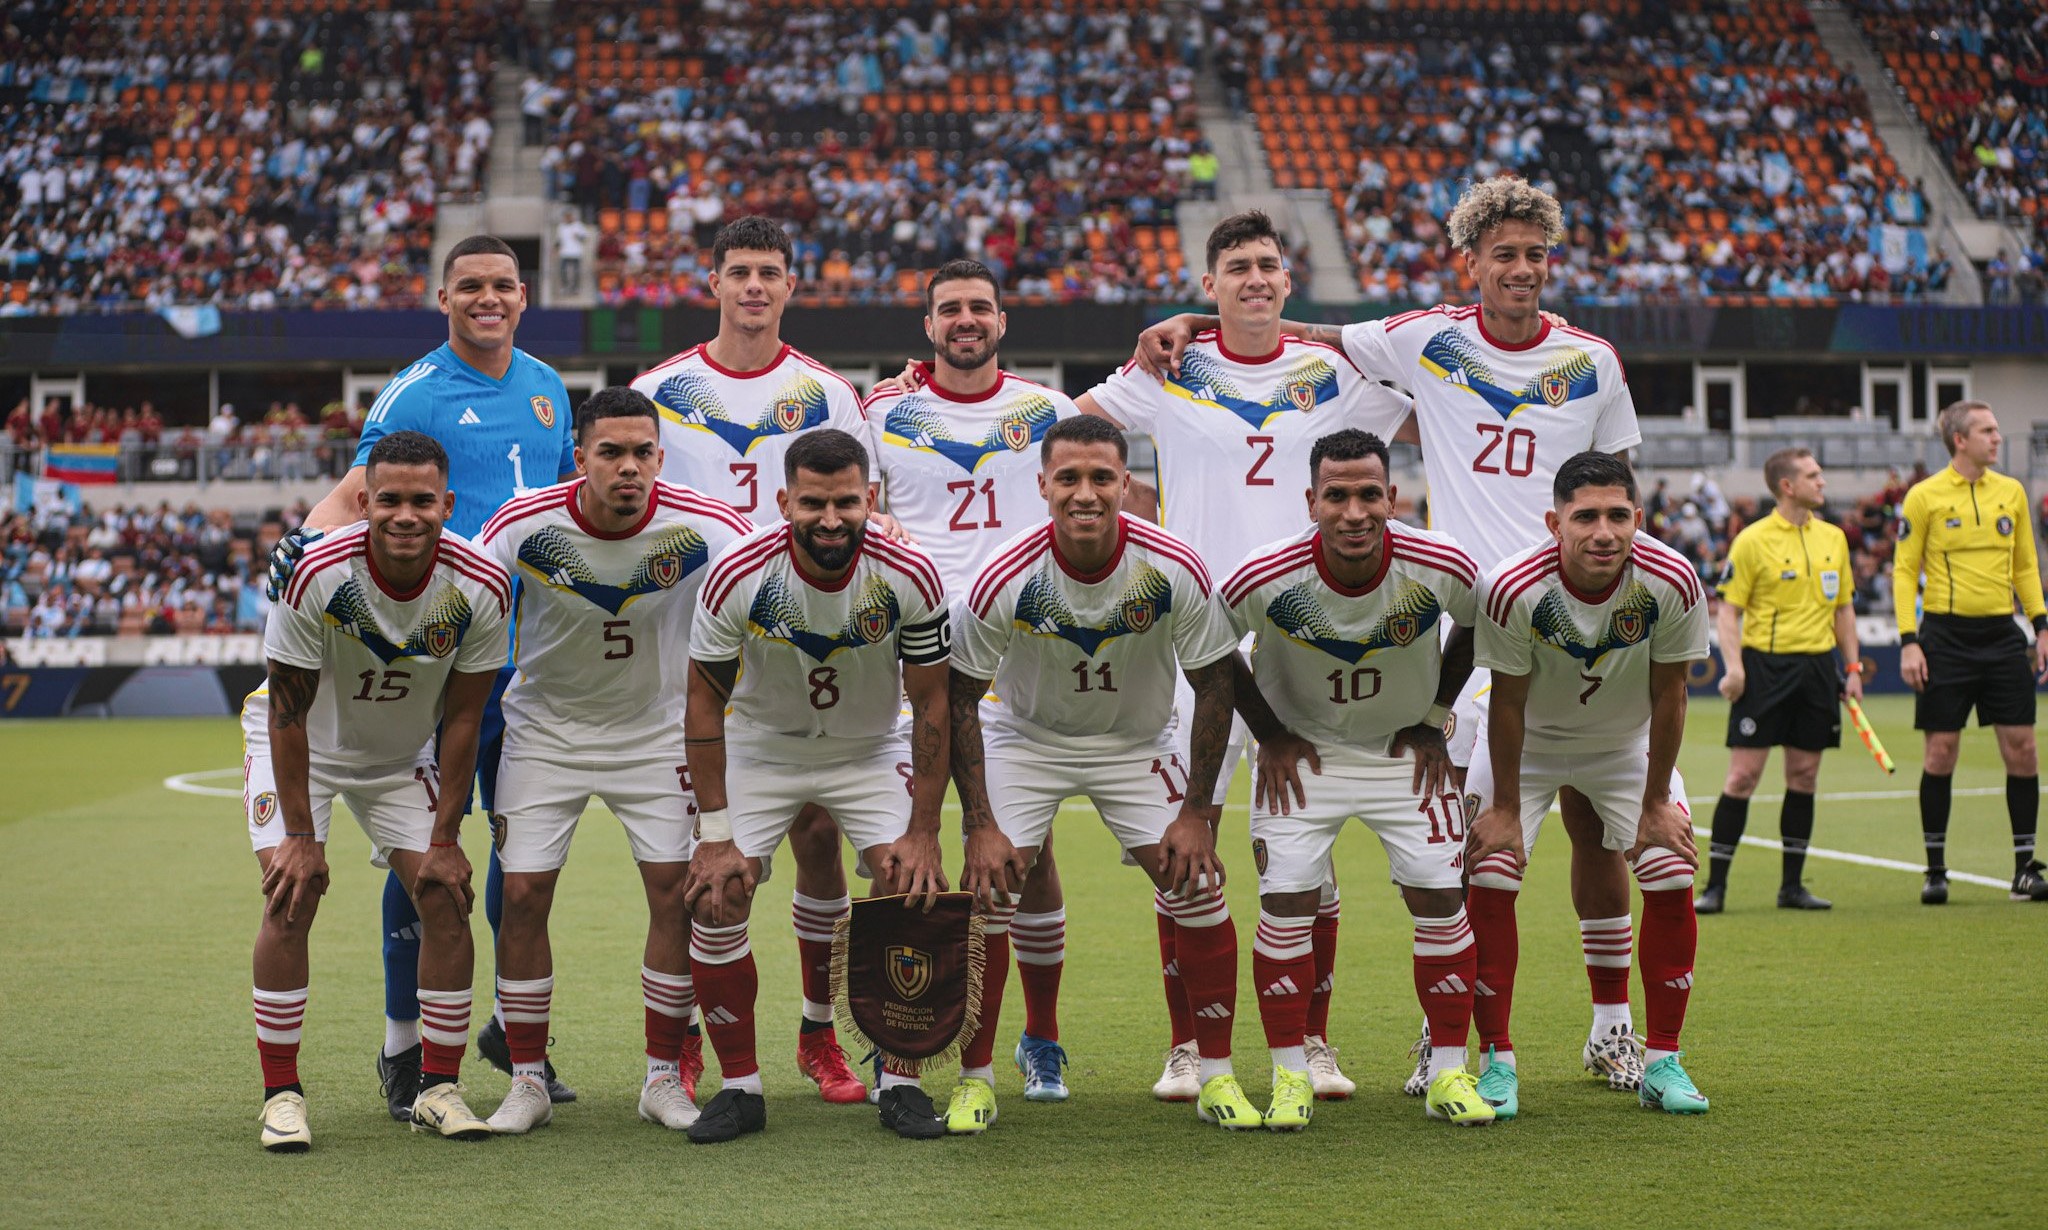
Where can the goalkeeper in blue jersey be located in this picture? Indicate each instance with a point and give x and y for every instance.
(503, 417)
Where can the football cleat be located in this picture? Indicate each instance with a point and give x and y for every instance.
(1324, 1076)
(1499, 1088)
(284, 1124)
(1666, 1087)
(731, 1114)
(690, 1068)
(972, 1107)
(1454, 1097)
(1616, 1055)
(1043, 1064)
(2028, 884)
(1712, 900)
(492, 1047)
(1182, 1080)
(1798, 897)
(1294, 1102)
(525, 1107)
(663, 1100)
(819, 1058)
(1417, 1083)
(908, 1111)
(400, 1076)
(440, 1109)
(1934, 890)
(1223, 1102)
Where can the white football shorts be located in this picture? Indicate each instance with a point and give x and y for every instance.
(1613, 781)
(1137, 793)
(868, 798)
(540, 802)
(394, 804)
(1424, 838)
(1468, 717)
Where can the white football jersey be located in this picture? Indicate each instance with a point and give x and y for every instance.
(1497, 420)
(819, 676)
(1345, 668)
(604, 620)
(724, 432)
(1589, 655)
(384, 657)
(1087, 663)
(961, 473)
(1233, 435)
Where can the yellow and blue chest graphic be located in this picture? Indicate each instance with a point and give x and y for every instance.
(1411, 614)
(777, 616)
(1452, 358)
(919, 424)
(1144, 604)
(437, 636)
(550, 558)
(688, 398)
(1629, 623)
(1309, 383)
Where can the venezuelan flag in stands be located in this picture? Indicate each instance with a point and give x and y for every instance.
(83, 463)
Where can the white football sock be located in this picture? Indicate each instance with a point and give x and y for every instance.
(1444, 1059)
(1607, 1016)
(1652, 1056)
(400, 1036)
(984, 1073)
(750, 1083)
(1213, 1068)
(1292, 1058)
(658, 1068)
(1505, 1059)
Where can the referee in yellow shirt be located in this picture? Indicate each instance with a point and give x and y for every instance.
(1785, 601)
(1968, 531)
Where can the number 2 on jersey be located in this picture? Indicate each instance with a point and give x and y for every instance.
(963, 516)
(1252, 477)
(1517, 447)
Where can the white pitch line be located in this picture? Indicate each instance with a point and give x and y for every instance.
(187, 783)
(1866, 860)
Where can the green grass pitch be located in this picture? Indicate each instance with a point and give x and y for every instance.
(1870, 1066)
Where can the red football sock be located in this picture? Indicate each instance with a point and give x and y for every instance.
(1492, 915)
(444, 1034)
(1208, 968)
(525, 1005)
(1283, 963)
(981, 1052)
(1325, 937)
(1039, 943)
(1180, 1020)
(1608, 944)
(280, 1018)
(1446, 969)
(668, 1000)
(1671, 936)
(814, 919)
(722, 962)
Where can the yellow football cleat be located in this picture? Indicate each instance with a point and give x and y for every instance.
(1454, 1096)
(440, 1108)
(284, 1124)
(972, 1107)
(1223, 1102)
(1294, 1101)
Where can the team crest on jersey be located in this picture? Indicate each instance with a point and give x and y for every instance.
(872, 624)
(266, 807)
(498, 830)
(1830, 583)
(910, 970)
(1017, 434)
(1401, 630)
(789, 413)
(1628, 626)
(1259, 854)
(1471, 807)
(665, 569)
(1139, 614)
(1301, 388)
(544, 410)
(1302, 393)
(2005, 527)
(439, 638)
(1554, 388)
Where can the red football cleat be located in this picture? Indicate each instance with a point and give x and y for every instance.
(691, 1067)
(818, 1057)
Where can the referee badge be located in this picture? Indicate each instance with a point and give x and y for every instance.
(2005, 527)
(1830, 583)
(544, 410)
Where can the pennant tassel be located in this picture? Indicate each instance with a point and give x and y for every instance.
(890, 1043)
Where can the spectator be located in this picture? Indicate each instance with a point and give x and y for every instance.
(572, 244)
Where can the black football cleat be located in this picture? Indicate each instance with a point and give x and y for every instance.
(400, 1076)
(1711, 900)
(1796, 897)
(908, 1111)
(729, 1116)
(1935, 890)
(496, 1050)
(2029, 884)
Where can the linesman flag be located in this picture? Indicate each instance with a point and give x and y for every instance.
(1869, 735)
(907, 983)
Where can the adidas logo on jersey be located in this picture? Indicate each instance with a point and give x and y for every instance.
(1214, 1012)
(469, 416)
(1681, 983)
(1452, 985)
(720, 1016)
(1283, 987)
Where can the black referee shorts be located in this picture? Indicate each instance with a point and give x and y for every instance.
(1974, 662)
(1789, 700)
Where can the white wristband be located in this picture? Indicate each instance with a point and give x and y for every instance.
(1436, 715)
(714, 825)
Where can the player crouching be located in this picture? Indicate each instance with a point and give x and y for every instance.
(1081, 625)
(387, 628)
(807, 636)
(612, 563)
(1351, 674)
(1588, 638)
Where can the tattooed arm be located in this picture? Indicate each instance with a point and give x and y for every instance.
(445, 866)
(994, 867)
(914, 865)
(1187, 853)
(297, 870)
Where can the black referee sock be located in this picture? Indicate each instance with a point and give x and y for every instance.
(1731, 816)
(1934, 799)
(1795, 829)
(2023, 805)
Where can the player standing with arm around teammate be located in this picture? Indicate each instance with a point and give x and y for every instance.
(1785, 610)
(1080, 626)
(1588, 638)
(810, 634)
(1352, 674)
(730, 409)
(1967, 528)
(612, 562)
(388, 628)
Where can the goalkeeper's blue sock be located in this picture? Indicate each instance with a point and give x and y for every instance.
(401, 953)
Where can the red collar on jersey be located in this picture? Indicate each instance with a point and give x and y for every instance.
(713, 364)
(932, 385)
(796, 560)
(1564, 579)
(398, 595)
(583, 522)
(1250, 360)
(1100, 575)
(1379, 574)
(1542, 331)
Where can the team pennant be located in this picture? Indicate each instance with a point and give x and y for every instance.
(908, 983)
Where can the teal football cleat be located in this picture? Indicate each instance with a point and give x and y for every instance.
(1666, 1087)
(1498, 1088)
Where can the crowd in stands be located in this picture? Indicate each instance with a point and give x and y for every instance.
(247, 157)
(1049, 143)
(284, 442)
(135, 570)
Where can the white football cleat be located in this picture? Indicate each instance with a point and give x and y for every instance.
(1417, 1083)
(284, 1124)
(1182, 1079)
(663, 1101)
(1324, 1076)
(526, 1107)
(440, 1109)
(1616, 1055)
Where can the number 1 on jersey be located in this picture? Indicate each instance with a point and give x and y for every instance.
(519, 486)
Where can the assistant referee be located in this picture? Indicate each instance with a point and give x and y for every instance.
(1967, 529)
(1785, 600)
